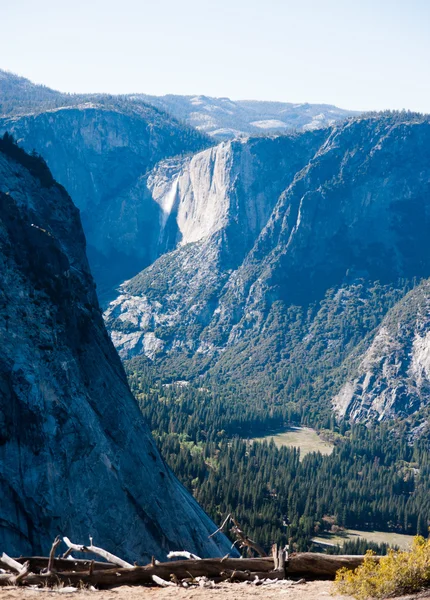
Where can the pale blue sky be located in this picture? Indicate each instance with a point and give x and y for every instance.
(359, 54)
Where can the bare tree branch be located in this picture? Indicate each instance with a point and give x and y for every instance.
(16, 580)
(99, 551)
(162, 582)
(224, 523)
(12, 564)
(55, 545)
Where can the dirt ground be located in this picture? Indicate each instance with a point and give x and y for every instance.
(228, 591)
(315, 590)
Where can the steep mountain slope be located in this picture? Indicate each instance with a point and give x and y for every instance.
(99, 152)
(346, 239)
(219, 202)
(224, 119)
(392, 376)
(76, 457)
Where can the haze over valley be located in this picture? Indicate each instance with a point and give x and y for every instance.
(261, 287)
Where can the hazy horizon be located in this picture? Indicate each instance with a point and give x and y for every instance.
(357, 57)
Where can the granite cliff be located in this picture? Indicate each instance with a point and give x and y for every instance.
(76, 457)
(100, 149)
(280, 303)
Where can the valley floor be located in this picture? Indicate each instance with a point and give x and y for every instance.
(314, 590)
(304, 438)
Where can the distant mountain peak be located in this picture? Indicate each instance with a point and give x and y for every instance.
(219, 117)
(224, 118)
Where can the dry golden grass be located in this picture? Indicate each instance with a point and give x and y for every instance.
(304, 438)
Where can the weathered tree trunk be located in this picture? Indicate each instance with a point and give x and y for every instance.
(308, 565)
(38, 563)
(320, 566)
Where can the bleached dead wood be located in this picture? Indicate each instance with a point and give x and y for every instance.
(99, 551)
(224, 523)
(244, 540)
(183, 569)
(55, 545)
(21, 576)
(241, 538)
(281, 559)
(183, 554)
(162, 582)
(307, 565)
(10, 563)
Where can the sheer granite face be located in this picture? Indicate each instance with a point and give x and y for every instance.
(76, 457)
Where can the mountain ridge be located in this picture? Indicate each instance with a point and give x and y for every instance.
(220, 117)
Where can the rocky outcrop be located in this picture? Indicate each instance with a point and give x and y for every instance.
(392, 378)
(76, 457)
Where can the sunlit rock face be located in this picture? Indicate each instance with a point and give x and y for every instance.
(103, 147)
(392, 378)
(215, 205)
(270, 233)
(76, 457)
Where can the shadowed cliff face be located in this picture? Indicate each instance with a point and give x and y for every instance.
(76, 457)
(100, 151)
(345, 234)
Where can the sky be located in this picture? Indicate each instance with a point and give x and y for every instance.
(361, 54)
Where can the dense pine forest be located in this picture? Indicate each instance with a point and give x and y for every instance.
(375, 479)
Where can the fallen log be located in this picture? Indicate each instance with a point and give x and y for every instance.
(320, 566)
(209, 567)
(239, 576)
(38, 563)
(308, 565)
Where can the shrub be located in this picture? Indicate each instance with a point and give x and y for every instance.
(393, 575)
